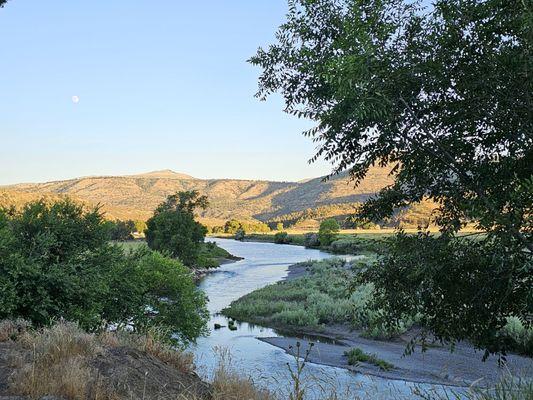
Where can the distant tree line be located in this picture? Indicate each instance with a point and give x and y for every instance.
(232, 226)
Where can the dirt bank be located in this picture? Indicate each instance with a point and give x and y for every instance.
(122, 373)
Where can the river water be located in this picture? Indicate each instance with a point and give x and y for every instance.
(266, 365)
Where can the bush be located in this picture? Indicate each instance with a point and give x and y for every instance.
(56, 263)
(232, 226)
(282, 238)
(356, 355)
(520, 336)
(240, 234)
(311, 240)
(121, 230)
(344, 246)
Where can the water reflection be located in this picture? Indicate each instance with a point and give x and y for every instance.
(263, 264)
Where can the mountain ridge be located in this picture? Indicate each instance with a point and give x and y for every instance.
(136, 196)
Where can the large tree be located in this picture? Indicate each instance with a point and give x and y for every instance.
(173, 229)
(443, 94)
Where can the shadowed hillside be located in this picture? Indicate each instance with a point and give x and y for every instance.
(136, 196)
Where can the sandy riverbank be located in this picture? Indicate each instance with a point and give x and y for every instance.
(437, 365)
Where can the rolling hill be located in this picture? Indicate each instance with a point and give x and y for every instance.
(136, 196)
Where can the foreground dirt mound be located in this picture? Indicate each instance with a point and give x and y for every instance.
(63, 362)
(132, 374)
(121, 373)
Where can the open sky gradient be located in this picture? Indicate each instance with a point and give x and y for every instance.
(161, 84)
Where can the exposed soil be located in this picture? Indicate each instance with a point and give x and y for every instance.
(129, 373)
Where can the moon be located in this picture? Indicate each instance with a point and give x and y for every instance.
(75, 99)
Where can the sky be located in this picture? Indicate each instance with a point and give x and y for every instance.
(122, 87)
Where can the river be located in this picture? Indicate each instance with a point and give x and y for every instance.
(266, 365)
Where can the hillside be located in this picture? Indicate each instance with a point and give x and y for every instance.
(136, 196)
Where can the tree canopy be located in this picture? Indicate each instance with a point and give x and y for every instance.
(173, 229)
(443, 94)
(329, 228)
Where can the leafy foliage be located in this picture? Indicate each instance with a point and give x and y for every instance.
(443, 95)
(431, 275)
(234, 225)
(56, 262)
(173, 229)
(356, 355)
(240, 234)
(327, 232)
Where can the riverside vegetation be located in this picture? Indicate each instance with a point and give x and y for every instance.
(330, 293)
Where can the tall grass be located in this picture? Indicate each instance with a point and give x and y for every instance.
(520, 335)
(321, 298)
(60, 361)
(508, 388)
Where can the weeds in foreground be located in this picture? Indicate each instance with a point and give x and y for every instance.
(58, 361)
(508, 388)
(298, 389)
(230, 385)
(11, 329)
(58, 364)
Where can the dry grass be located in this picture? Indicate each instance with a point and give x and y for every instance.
(229, 385)
(153, 344)
(62, 361)
(58, 364)
(12, 329)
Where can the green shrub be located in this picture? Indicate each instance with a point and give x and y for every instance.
(356, 355)
(521, 337)
(311, 240)
(173, 230)
(282, 238)
(56, 263)
(240, 234)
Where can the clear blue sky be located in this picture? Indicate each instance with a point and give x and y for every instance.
(161, 84)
